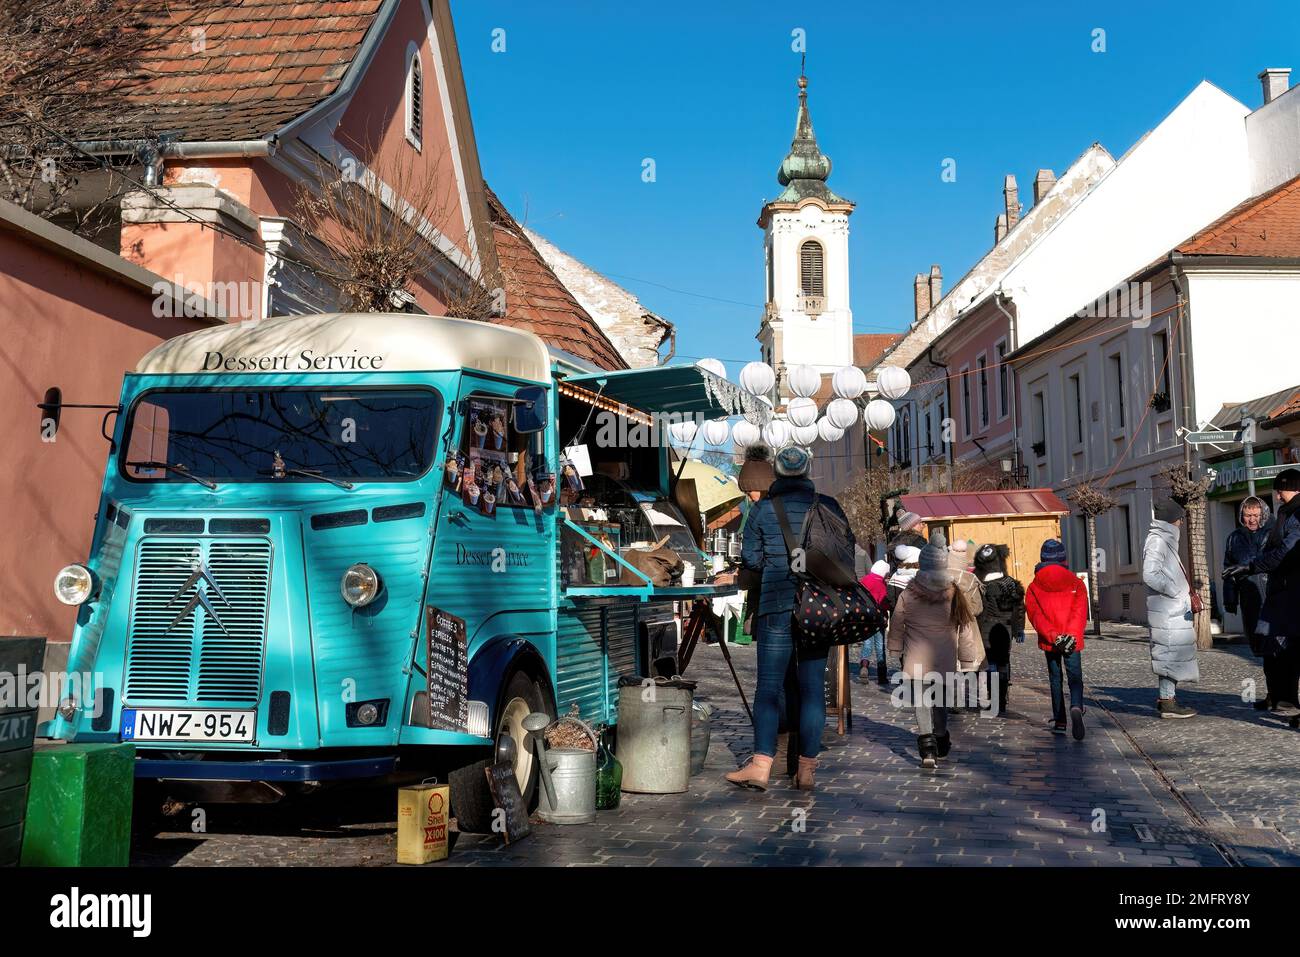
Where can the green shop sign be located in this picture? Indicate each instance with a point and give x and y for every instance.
(1230, 477)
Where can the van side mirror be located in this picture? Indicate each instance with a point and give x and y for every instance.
(530, 408)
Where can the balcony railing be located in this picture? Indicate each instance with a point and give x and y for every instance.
(811, 305)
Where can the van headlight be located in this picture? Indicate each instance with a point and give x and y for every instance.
(74, 585)
(360, 585)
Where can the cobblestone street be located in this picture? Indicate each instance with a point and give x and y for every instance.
(1212, 791)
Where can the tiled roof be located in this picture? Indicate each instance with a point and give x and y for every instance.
(1265, 225)
(1260, 408)
(536, 300)
(242, 69)
(869, 347)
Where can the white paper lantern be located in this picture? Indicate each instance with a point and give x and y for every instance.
(683, 432)
(716, 431)
(805, 435)
(757, 378)
(713, 365)
(828, 431)
(879, 415)
(777, 434)
(804, 381)
(842, 412)
(892, 382)
(849, 382)
(746, 434)
(801, 411)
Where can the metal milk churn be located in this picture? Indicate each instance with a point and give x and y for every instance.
(572, 778)
(654, 734)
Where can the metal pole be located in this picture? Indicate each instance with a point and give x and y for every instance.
(1248, 447)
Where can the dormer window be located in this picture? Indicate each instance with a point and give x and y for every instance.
(414, 102)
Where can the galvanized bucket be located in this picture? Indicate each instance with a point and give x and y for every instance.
(573, 776)
(654, 734)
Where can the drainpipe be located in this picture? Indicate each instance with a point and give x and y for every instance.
(1184, 330)
(1012, 344)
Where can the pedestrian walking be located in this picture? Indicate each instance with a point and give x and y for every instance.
(906, 562)
(1279, 618)
(1245, 542)
(911, 531)
(756, 477)
(1056, 604)
(1170, 611)
(931, 628)
(1002, 618)
(874, 647)
(764, 549)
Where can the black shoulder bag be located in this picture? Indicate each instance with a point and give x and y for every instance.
(825, 614)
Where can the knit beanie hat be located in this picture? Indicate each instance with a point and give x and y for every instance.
(1052, 552)
(880, 568)
(756, 475)
(934, 557)
(793, 462)
(908, 521)
(907, 554)
(989, 560)
(1288, 480)
(1167, 510)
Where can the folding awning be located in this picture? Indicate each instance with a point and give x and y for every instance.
(937, 506)
(684, 390)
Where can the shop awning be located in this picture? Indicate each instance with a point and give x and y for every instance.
(714, 488)
(938, 506)
(685, 390)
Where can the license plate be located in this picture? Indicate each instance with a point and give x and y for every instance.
(172, 724)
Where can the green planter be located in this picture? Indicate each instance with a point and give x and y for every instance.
(79, 806)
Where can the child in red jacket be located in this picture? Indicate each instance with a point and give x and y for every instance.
(1057, 606)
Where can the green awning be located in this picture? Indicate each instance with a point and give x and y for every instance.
(685, 390)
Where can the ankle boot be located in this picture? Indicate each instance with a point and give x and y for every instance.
(928, 745)
(754, 774)
(803, 780)
(943, 744)
(882, 674)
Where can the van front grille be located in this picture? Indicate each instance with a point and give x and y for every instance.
(196, 658)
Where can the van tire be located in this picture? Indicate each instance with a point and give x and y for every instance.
(471, 799)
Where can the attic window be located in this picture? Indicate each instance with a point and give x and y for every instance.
(811, 282)
(414, 102)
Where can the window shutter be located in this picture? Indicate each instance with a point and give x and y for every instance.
(811, 279)
(415, 103)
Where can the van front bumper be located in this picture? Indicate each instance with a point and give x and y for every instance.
(295, 772)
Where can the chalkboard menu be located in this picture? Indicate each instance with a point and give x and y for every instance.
(448, 671)
(512, 823)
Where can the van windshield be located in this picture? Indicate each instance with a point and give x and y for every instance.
(281, 435)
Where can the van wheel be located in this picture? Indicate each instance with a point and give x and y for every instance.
(471, 799)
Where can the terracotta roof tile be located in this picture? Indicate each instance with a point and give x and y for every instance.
(1264, 225)
(536, 299)
(237, 86)
(869, 347)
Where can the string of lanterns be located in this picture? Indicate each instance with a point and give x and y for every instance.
(803, 423)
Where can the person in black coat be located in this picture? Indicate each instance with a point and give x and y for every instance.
(1243, 546)
(1003, 617)
(1279, 618)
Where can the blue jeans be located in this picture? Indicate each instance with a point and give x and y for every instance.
(1168, 688)
(874, 647)
(775, 648)
(1074, 672)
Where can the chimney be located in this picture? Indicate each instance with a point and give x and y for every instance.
(921, 295)
(1000, 229)
(1043, 182)
(936, 285)
(1011, 196)
(1276, 81)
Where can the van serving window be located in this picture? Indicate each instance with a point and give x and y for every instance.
(282, 435)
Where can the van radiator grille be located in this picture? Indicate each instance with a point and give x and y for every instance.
(197, 659)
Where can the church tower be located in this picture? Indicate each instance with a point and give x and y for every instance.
(807, 319)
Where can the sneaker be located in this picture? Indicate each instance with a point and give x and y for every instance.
(1076, 723)
(1285, 709)
(1058, 727)
(864, 671)
(1170, 708)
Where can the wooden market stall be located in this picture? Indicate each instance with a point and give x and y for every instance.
(1021, 518)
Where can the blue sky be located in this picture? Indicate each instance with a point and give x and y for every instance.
(587, 89)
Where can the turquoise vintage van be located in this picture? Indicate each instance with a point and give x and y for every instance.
(341, 546)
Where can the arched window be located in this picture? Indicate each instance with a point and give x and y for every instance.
(811, 276)
(414, 102)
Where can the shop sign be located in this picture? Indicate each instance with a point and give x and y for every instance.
(1230, 476)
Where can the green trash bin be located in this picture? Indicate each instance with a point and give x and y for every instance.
(79, 806)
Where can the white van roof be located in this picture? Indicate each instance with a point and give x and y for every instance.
(352, 342)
